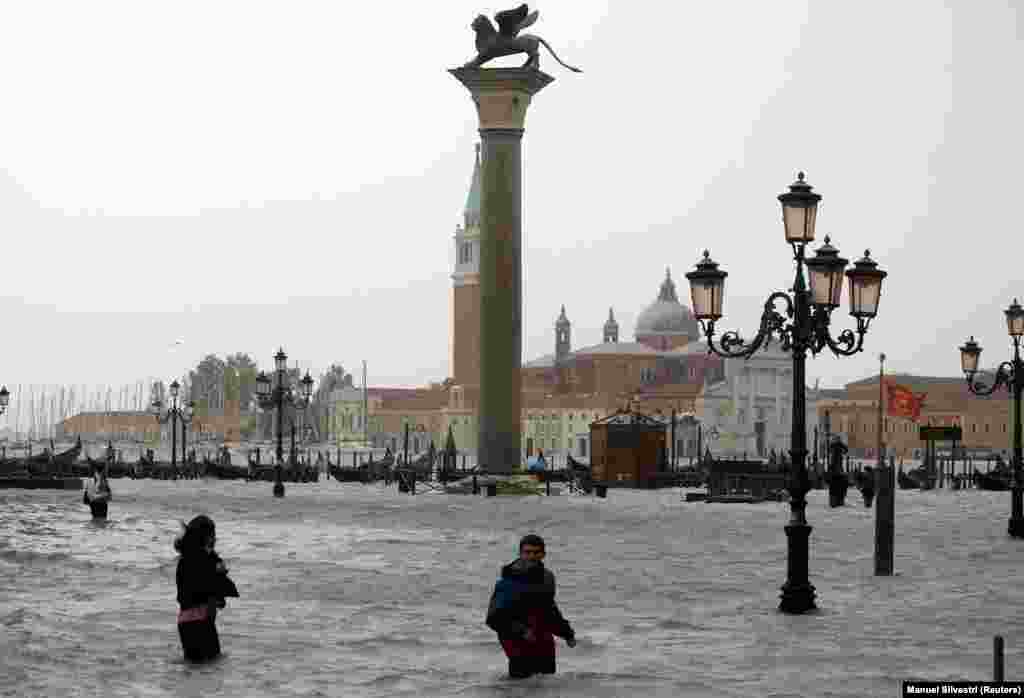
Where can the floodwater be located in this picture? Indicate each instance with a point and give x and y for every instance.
(356, 590)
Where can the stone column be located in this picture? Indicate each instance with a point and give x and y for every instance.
(501, 96)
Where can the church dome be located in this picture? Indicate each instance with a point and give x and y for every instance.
(666, 315)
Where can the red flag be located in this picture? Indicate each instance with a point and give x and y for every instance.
(902, 402)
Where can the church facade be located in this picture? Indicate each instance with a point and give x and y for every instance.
(748, 413)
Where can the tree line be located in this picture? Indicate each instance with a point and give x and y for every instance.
(215, 382)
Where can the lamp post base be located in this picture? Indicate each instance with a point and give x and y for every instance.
(278, 484)
(798, 592)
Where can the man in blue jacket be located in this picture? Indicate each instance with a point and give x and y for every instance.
(524, 614)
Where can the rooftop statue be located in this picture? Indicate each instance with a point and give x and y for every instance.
(506, 41)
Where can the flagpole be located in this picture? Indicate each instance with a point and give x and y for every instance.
(881, 424)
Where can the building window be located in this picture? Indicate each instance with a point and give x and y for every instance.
(986, 428)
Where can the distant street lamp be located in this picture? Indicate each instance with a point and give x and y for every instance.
(173, 414)
(276, 394)
(1010, 375)
(5, 397)
(803, 327)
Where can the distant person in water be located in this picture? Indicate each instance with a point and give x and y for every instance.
(97, 493)
(524, 614)
(203, 586)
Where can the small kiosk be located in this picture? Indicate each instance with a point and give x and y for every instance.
(626, 449)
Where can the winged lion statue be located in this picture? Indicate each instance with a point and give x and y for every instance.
(506, 40)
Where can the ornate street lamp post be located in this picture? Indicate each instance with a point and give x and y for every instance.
(802, 326)
(1010, 375)
(277, 396)
(174, 413)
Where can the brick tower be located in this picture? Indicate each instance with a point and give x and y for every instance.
(466, 289)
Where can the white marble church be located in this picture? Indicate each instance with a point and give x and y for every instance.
(749, 412)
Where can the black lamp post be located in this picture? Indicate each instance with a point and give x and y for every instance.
(277, 396)
(1011, 375)
(803, 326)
(173, 414)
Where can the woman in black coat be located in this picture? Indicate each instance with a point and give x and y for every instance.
(203, 586)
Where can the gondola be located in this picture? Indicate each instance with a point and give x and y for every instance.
(69, 456)
(422, 465)
(212, 468)
(906, 482)
(47, 465)
(267, 473)
(995, 481)
(113, 470)
(364, 472)
(357, 474)
(13, 467)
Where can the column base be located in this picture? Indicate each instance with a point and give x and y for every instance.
(1016, 528)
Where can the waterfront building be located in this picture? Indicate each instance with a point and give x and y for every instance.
(852, 413)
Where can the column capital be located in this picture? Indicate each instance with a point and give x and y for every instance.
(502, 95)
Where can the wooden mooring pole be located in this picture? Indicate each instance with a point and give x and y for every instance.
(997, 658)
(885, 520)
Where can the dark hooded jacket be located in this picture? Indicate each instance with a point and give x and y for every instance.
(524, 598)
(202, 579)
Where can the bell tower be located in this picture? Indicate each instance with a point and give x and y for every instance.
(465, 357)
(563, 337)
(611, 328)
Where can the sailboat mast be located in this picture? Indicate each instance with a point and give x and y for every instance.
(366, 411)
(20, 404)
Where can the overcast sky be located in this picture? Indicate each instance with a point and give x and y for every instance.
(244, 175)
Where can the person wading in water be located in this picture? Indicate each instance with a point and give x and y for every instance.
(203, 586)
(97, 493)
(524, 614)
